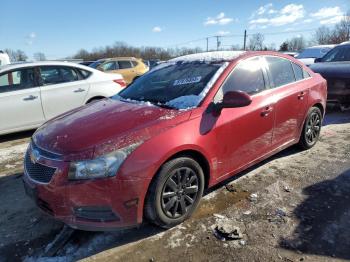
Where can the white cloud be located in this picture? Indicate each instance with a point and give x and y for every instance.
(332, 20)
(309, 20)
(30, 38)
(220, 19)
(287, 15)
(222, 33)
(327, 12)
(157, 29)
(328, 15)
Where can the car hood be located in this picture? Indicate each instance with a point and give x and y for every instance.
(104, 126)
(332, 69)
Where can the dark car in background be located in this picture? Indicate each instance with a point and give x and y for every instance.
(335, 68)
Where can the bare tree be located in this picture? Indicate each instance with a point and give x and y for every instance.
(296, 43)
(122, 49)
(256, 42)
(338, 34)
(39, 56)
(16, 56)
(323, 35)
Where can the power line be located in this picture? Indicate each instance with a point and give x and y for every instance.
(239, 35)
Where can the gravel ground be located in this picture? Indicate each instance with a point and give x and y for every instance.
(292, 207)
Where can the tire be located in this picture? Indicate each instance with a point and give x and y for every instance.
(166, 204)
(311, 129)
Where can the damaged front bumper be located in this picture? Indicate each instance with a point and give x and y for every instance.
(94, 205)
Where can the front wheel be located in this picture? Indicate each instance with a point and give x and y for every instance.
(175, 193)
(312, 128)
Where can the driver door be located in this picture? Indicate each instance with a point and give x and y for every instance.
(244, 134)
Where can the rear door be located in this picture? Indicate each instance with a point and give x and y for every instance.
(20, 102)
(244, 134)
(62, 89)
(291, 95)
(126, 69)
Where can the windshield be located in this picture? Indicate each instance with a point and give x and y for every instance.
(96, 64)
(314, 52)
(180, 85)
(338, 54)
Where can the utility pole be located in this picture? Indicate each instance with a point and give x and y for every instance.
(245, 39)
(207, 44)
(217, 43)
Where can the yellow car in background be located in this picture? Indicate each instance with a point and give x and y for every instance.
(129, 67)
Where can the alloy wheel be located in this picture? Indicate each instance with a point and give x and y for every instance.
(313, 128)
(179, 192)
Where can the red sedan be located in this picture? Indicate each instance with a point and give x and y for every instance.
(188, 124)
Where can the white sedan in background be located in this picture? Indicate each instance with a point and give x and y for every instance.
(32, 93)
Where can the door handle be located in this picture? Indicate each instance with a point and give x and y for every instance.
(31, 97)
(266, 111)
(79, 90)
(301, 95)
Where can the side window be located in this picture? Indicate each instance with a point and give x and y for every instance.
(134, 63)
(68, 74)
(50, 75)
(109, 66)
(124, 64)
(17, 80)
(84, 73)
(246, 76)
(298, 72)
(306, 74)
(281, 71)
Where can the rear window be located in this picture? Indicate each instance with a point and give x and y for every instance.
(281, 70)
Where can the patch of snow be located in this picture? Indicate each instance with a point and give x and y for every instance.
(209, 56)
(11, 153)
(184, 102)
(211, 195)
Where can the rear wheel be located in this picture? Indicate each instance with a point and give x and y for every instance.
(175, 193)
(312, 128)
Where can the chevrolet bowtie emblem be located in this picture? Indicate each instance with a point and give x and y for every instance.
(34, 156)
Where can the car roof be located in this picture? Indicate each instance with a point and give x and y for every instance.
(41, 63)
(210, 56)
(320, 46)
(118, 58)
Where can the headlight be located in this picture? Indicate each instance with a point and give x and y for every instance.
(103, 166)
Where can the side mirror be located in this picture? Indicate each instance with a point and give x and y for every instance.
(234, 99)
(317, 60)
(231, 99)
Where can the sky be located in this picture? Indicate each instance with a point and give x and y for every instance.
(60, 28)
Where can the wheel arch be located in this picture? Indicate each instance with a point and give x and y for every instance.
(94, 98)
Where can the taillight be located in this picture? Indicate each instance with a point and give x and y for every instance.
(120, 82)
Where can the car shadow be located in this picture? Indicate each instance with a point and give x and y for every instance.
(16, 136)
(324, 216)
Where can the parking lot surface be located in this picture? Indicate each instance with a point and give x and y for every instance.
(292, 207)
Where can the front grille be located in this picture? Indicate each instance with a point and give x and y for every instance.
(38, 172)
